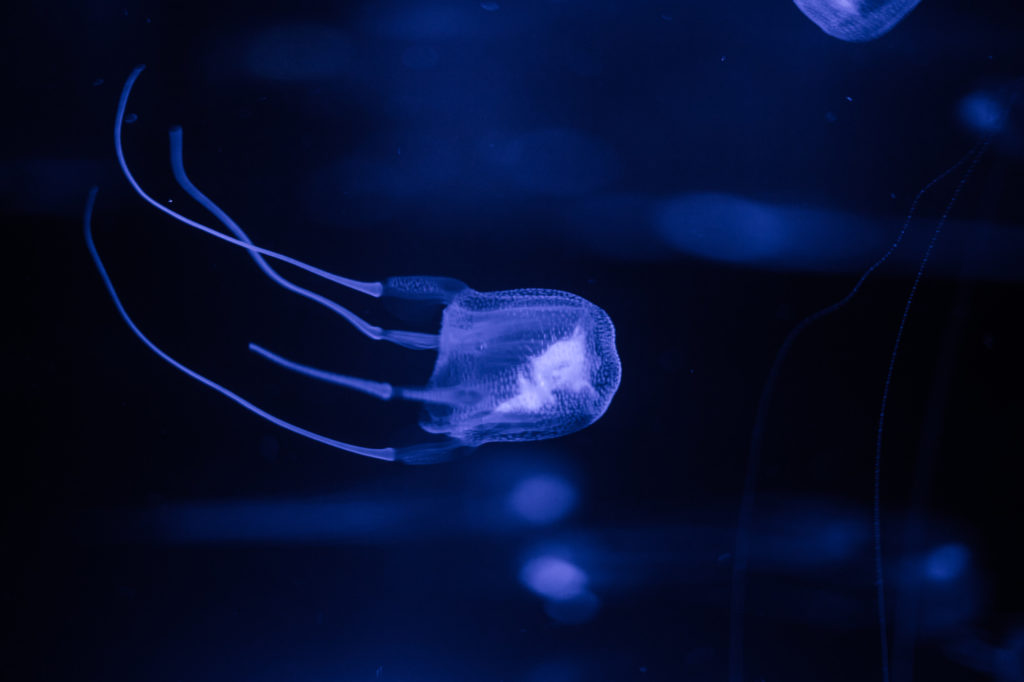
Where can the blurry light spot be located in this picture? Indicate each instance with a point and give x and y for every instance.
(723, 227)
(554, 578)
(839, 539)
(98, 81)
(490, 6)
(131, 118)
(946, 563)
(982, 113)
(544, 498)
(831, 117)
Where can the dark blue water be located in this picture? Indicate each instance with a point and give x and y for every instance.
(707, 174)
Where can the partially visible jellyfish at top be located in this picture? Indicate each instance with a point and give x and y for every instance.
(512, 366)
(856, 21)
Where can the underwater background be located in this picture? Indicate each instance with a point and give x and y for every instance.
(709, 174)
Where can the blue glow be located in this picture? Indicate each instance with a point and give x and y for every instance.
(42, 186)
(555, 574)
(564, 669)
(283, 521)
(554, 578)
(990, 113)
(555, 161)
(1004, 663)
(580, 609)
(727, 228)
(519, 365)
(298, 52)
(420, 57)
(935, 593)
(733, 229)
(810, 536)
(946, 562)
(543, 498)
(983, 113)
(422, 21)
(856, 21)
(559, 162)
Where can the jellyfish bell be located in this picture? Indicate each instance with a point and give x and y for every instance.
(517, 365)
(856, 21)
(532, 363)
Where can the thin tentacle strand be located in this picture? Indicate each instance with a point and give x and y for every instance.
(407, 339)
(741, 554)
(378, 389)
(376, 453)
(369, 288)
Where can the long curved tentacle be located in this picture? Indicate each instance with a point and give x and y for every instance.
(376, 453)
(370, 288)
(408, 339)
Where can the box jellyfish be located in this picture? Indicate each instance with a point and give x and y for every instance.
(856, 21)
(518, 365)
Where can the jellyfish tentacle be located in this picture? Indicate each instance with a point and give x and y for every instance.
(378, 389)
(741, 553)
(876, 509)
(424, 288)
(369, 288)
(376, 453)
(430, 452)
(413, 340)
